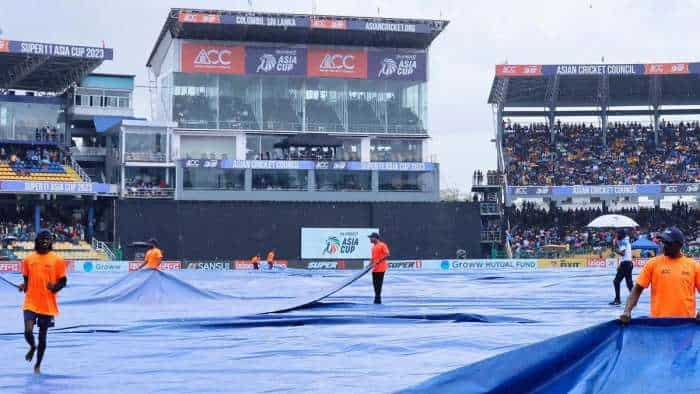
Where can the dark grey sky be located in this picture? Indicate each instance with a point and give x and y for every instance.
(480, 34)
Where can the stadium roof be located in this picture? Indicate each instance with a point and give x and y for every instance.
(47, 67)
(596, 85)
(215, 25)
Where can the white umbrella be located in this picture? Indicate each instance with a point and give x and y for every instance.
(612, 221)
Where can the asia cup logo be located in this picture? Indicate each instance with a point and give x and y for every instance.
(389, 67)
(267, 63)
(402, 66)
(332, 246)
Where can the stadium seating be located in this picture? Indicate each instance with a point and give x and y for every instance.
(575, 154)
(67, 250)
(55, 173)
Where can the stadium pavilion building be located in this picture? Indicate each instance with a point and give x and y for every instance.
(282, 107)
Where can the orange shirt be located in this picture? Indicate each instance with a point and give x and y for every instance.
(42, 269)
(153, 258)
(673, 285)
(271, 256)
(255, 259)
(379, 254)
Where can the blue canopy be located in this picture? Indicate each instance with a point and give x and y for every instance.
(648, 356)
(644, 243)
(104, 123)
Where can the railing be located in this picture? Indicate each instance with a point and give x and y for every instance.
(490, 236)
(145, 156)
(149, 193)
(489, 208)
(83, 175)
(102, 247)
(88, 151)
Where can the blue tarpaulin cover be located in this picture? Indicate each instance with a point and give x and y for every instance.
(647, 356)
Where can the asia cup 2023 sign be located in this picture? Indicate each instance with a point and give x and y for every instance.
(336, 243)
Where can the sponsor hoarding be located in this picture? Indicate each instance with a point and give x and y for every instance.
(397, 65)
(207, 265)
(164, 266)
(336, 243)
(486, 264)
(100, 266)
(397, 27)
(329, 23)
(308, 165)
(405, 264)
(602, 190)
(54, 187)
(212, 59)
(578, 262)
(198, 17)
(275, 61)
(337, 63)
(10, 266)
(248, 264)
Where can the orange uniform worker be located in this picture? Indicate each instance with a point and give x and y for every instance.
(674, 280)
(271, 259)
(380, 252)
(153, 257)
(44, 275)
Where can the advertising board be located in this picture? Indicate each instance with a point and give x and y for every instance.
(336, 243)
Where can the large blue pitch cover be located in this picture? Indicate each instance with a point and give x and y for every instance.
(647, 356)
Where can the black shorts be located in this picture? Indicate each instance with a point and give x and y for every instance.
(43, 321)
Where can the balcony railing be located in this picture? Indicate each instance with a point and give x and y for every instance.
(150, 193)
(490, 236)
(88, 151)
(145, 156)
(489, 208)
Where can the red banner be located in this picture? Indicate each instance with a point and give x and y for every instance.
(519, 70)
(334, 24)
(198, 17)
(164, 266)
(666, 68)
(337, 63)
(212, 59)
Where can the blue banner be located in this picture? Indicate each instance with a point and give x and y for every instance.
(275, 61)
(54, 187)
(602, 190)
(308, 165)
(388, 26)
(397, 65)
(56, 50)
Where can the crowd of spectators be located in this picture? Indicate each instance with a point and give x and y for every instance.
(146, 186)
(533, 227)
(49, 134)
(25, 159)
(23, 231)
(575, 154)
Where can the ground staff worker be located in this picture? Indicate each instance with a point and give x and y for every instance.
(624, 269)
(380, 252)
(153, 257)
(44, 275)
(673, 278)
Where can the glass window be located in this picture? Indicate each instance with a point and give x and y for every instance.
(207, 147)
(282, 103)
(280, 180)
(406, 104)
(398, 150)
(349, 151)
(237, 103)
(404, 181)
(366, 110)
(329, 180)
(195, 100)
(26, 121)
(262, 147)
(213, 179)
(325, 105)
(145, 178)
(145, 147)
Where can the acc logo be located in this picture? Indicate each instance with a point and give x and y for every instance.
(671, 189)
(267, 63)
(87, 266)
(213, 57)
(445, 265)
(338, 62)
(192, 163)
(692, 188)
(520, 190)
(332, 246)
